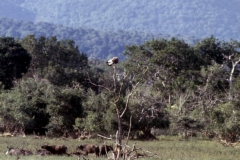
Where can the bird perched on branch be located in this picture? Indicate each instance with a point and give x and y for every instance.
(112, 61)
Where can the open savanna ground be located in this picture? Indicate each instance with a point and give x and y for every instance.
(167, 148)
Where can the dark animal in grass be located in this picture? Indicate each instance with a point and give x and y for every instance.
(89, 148)
(55, 149)
(43, 152)
(14, 151)
(27, 152)
(76, 153)
(104, 149)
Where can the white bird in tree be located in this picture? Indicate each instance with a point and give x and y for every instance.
(112, 61)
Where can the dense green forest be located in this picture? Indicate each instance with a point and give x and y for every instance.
(96, 44)
(50, 88)
(190, 18)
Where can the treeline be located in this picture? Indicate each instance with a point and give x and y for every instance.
(49, 87)
(96, 44)
(191, 18)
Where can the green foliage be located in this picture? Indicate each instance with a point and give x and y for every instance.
(110, 121)
(99, 115)
(24, 107)
(225, 119)
(92, 122)
(64, 109)
(178, 86)
(14, 61)
(172, 65)
(58, 61)
(191, 82)
(147, 112)
(35, 105)
(211, 50)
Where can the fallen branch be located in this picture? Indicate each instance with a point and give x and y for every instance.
(109, 138)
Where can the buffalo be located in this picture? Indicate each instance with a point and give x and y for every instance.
(55, 149)
(27, 152)
(15, 151)
(89, 148)
(43, 152)
(76, 153)
(104, 149)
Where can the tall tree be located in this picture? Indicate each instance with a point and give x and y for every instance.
(14, 61)
(211, 50)
(58, 61)
(173, 75)
(172, 66)
(231, 54)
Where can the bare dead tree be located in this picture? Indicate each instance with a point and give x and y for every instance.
(116, 92)
(84, 135)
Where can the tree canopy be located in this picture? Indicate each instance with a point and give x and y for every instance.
(14, 61)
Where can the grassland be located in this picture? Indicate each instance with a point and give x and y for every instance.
(167, 148)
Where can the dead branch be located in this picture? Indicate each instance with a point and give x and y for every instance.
(128, 98)
(109, 138)
(102, 86)
(120, 89)
(83, 136)
(129, 131)
(117, 138)
(130, 94)
(135, 153)
(124, 151)
(224, 141)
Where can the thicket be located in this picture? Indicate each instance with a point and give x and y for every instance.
(184, 90)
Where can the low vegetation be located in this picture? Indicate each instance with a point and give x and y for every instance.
(166, 148)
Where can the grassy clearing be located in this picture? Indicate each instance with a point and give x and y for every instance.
(168, 148)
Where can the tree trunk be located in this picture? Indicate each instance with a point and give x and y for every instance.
(119, 130)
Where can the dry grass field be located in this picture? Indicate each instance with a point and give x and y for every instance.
(167, 148)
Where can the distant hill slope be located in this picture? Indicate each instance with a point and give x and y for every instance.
(96, 44)
(199, 18)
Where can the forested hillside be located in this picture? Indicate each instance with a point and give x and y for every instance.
(96, 44)
(190, 18)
